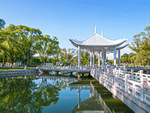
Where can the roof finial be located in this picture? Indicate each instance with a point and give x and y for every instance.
(95, 29)
(102, 33)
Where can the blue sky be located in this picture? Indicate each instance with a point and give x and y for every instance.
(76, 18)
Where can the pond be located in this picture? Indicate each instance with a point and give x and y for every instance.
(50, 94)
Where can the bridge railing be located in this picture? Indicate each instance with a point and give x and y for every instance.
(63, 68)
(118, 79)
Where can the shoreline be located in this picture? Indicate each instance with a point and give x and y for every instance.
(18, 73)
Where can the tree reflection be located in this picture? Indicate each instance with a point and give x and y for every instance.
(25, 95)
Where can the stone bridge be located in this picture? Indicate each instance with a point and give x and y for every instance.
(131, 88)
(69, 69)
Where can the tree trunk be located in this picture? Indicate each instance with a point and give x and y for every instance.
(45, 61)
(25, 61)
(12, 59)
(4, 59)
(148, 61)
(12, 62)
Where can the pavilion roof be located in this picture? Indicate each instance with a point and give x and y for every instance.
(122, 46)
(97, 40)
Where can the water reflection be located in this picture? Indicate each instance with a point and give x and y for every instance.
(90, 105)
(25, 95)
(48, 94)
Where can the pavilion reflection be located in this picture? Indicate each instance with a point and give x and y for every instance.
(90, 105)
(95, 103)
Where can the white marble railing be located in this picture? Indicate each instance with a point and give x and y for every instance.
(117, 79)
(137, 68)
(147, 67)
(65, 68)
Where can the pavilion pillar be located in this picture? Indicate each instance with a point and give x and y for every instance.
(90, 58)
(119, 57)
(103, 61)
(99, 59)
(115, 56)
(79, 56)
(79, 99)
(93, 59)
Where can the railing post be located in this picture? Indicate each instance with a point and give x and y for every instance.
(132, 74)
(119, 72)
(105, 78)
(143, 81)
(114, 72)
(124, 67)
(127, 77)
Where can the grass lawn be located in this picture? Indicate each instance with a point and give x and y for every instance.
(10, 69)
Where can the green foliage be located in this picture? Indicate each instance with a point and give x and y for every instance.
(34, 61)
(21, 43)
(47, 47)
(109, 61)
(26, 41)
(8, 44)
(2, 23)
(67, 57)
(85, 58)
(125, 58)
(141, 47)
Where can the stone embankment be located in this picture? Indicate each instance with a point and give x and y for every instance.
(18, 73)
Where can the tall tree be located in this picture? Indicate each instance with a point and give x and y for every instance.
(47, 47)
(2, 24)
(85, 58)
(26, 41)
(68, 56)
(141, 46)
(8, 45)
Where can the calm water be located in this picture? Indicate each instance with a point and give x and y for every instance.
(47, 94)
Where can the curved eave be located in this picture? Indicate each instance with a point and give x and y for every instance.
(121, 47)
(76, 44)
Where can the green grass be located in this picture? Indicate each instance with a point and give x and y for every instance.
(9, 69)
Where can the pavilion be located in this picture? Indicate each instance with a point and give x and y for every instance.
(98, 44)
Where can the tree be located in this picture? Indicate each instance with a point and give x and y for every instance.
(141, 47)
(47, 47)
(85, 58)
(21, 43)
(26, 41)
(8, 45)
(125, 58)
(2, 24)
(68, 56)
(34, 61)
